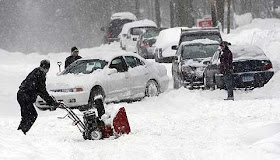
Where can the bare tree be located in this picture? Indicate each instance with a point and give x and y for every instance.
(157, 9)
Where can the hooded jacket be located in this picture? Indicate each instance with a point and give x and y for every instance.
(34, 85)
(226, 61)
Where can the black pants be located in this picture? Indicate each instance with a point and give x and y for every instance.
(28, 112)
(228, 80)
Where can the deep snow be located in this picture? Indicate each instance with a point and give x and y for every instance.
(178, 124)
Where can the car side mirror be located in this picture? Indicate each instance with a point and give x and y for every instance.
(134, 39)
(175, 47)
(102, 29)
(111, 71)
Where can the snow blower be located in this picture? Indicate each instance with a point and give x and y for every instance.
(93, 128)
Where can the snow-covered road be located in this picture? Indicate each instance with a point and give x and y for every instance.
(178, 124)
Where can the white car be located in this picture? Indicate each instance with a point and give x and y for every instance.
(114, 76)
(131, 31)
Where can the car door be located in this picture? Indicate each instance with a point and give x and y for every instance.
(139, 75)
(118, 83)
(213, 67)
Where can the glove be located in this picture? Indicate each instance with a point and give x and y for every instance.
(56, 104)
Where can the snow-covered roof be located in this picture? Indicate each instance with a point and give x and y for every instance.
(123, 15)
(168, 37)
(140, 23)
(201, 41)
(242, 52)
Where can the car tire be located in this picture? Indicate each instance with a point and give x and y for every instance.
(152, 89)
(176, 84)
(95, 92)
(205, 83)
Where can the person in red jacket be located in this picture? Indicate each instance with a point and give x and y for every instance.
(226, 68)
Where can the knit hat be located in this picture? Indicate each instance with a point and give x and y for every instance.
(74, 49)
(45, 64)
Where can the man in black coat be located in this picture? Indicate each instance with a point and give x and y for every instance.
(227, 68)
(30, 88)
(73, 57)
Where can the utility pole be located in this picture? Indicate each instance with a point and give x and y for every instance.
(172, 14)
(137, 8)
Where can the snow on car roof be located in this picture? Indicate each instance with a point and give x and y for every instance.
(168, 37)
(242, 52)
(141, 23)
(201, 41)
(123, 15)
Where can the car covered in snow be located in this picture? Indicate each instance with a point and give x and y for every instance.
(146, 43)
(251, 68)
(114, 76)
(190, 60)
(165, 40)
(113, 29)
(131, 31)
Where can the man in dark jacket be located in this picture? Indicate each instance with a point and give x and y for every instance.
(73, 57)
(227, 68)
(30, 88)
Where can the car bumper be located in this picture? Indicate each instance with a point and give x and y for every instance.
(109, 40)
(192, 79)
(71, 99)
(147, 52)
(246, 79)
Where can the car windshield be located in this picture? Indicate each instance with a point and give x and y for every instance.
(151, 33)
(210, 35)
(198, 51)
(140, 30)
(85, 66)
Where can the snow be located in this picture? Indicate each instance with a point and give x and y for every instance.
(140, 23)
(202, 41)
(247, 52)
(123, 15)
(178, 124)
(243, 19)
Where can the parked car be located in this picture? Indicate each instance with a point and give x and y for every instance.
(131, 31)
(251, 68)
(173, 37)
(112, 31)
(145, 44)
(113, 76)
(165, 40)
(190, 61)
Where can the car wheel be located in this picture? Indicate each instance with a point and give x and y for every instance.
(176, 83)
(205, 83)
(152, 89)
(95, 134)
(96, 93)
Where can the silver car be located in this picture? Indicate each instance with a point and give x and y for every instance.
(113, 76)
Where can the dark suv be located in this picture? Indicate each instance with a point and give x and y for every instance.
(114, 28)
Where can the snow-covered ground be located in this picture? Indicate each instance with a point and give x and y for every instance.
(178, 124)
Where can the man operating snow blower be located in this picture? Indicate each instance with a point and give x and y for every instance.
(30, 88)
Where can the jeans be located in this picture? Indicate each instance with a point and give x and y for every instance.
(228, 81)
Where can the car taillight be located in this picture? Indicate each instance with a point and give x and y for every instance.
(145, 43)
(267, 66)
(109, 35)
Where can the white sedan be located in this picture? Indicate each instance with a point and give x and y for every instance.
(114, 76)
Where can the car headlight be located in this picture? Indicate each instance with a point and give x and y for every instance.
(68, 90)
(186, 69)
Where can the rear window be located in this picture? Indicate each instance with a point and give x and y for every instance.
(115, 26)
(151, 33)
(198, 51)
(215, 36)
(140, 30)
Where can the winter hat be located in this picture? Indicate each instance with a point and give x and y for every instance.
(225, 43)
(45, 64)
(74, 49)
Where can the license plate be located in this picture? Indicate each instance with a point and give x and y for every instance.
(247, 78)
